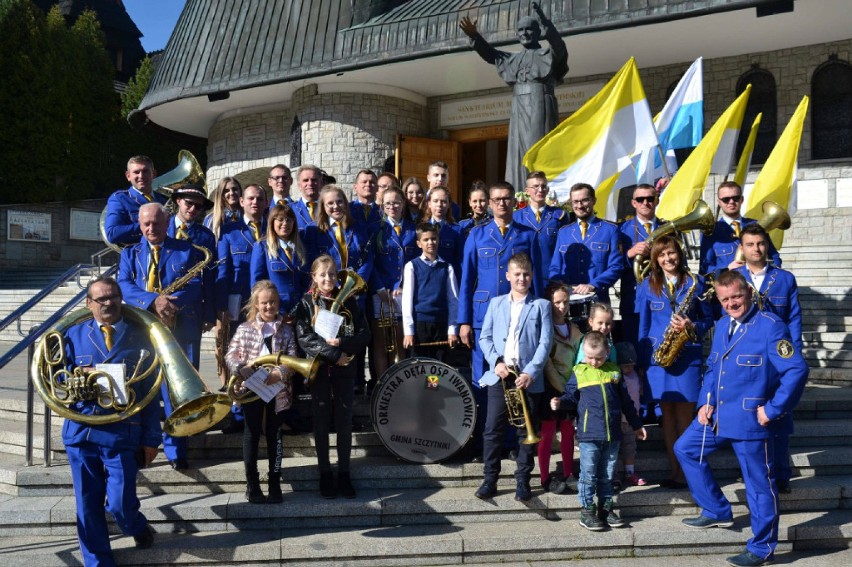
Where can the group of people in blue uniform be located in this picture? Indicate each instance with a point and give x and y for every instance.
(375, 236)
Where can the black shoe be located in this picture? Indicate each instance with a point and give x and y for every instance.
(179, 464)
(327, 485)
(523, 492)
(486, 491)
(673, 484)
(589, 519)
(274, 496)
(145, 538)
(554, 485)
(704, 522)
(344, 485)
(748, 559)
(254, 494)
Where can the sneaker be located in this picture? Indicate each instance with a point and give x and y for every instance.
(609, 517)
(704, 522)
(589, 519)
(554, 485)
(523, 492)
(634, 480)
(748, 559)
(486, 491)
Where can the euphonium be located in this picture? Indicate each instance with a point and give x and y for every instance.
(672, 342)
(305, 367)
(196, 409)
(187, 171)
(516, 406)
(700, 217)
(351, 284)
(774, 216)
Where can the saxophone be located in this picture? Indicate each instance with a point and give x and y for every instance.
(673, 342)
(187, 277)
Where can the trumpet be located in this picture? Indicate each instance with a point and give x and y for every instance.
(516, 405)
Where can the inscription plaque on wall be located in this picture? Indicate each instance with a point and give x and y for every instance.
(84, 225)
(498, 108)
(28, 226)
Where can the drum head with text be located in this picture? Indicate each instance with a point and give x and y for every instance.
(423, 410)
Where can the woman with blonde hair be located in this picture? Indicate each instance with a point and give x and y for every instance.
(281, 257)
(226, 205)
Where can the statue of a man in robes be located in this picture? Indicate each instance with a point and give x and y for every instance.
(533, 73)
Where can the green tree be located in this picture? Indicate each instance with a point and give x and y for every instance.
(136, 87)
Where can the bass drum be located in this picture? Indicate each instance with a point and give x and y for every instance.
(423, 410)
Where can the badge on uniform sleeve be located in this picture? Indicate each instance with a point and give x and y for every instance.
(785, 348)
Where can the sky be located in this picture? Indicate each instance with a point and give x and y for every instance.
(155, 19)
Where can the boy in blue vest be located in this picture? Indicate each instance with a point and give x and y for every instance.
(429, 298)
(597, 390)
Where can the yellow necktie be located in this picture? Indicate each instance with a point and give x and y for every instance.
(736, 226)
(397, 229)
(108, 332)
(538, 215)
(341, 245)
(289, 254)
(181, 233)
(312, 209)
(671, 286)
(153, 269)
(647, 226)
(255, 229)
(583, 227)
(148, 197)
(503, 230)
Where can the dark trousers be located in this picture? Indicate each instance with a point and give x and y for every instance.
(496, 422)
(261, 419)
(332, 386)
(428, 332)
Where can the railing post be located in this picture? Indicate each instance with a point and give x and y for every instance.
(28, 456)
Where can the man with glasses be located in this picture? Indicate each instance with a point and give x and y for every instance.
(485, 263)
(280, 180)
(386, 181)
(634, 234)
(309, 178)
(104, 459)
(544, 219)
(588, 252)
(718, 250)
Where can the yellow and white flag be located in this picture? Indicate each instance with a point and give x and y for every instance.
(777, 180)
(715, 153)
(596, 141)
(745, 157)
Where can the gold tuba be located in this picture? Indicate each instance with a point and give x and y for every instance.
(187, 171)
(516, 406)
(196, 409)
(305, 367)
(774, 216)
(701, 217)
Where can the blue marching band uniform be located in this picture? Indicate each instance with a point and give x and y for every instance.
(103, 458)
(121, 224)
(392, 252)
(719, 248)
(546, 229)
(632, 232)
(595, 259)
(290, 276)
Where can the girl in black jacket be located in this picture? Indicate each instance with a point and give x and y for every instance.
(335, 379)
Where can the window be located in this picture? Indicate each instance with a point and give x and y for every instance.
(831, 108)
(762, 99)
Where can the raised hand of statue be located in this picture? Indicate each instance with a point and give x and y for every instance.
(468, 27)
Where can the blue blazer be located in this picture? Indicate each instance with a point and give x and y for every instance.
(368, 216)
(631, 232)
(780, 295)
(534, 341)
(122, 215)
(719, 248)
(595, 260)
(484, 265)
(451, 245)
(359, 253)
(391, 253)
(758, 366)
(200, 235)
(84, 346)
(236, 244)
(303, 216)
(290, 277)
(552, 219)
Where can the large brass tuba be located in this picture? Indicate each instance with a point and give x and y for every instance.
(305, 367)
(196, 409)
(701, 217)
(774, 216)
(517, 410)
(187, 171)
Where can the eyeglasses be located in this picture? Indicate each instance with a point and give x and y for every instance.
(585, 201)
(280, 178)
(106, 299)
(392, 204)
(650, 200)
(502, 200)
(735, 199)
(542, 187)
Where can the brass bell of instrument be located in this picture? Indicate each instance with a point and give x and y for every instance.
(774, 216)
(305, 367)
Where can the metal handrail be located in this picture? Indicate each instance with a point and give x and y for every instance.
(30, 303)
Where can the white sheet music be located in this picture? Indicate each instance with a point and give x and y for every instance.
(328, 324)
(257, 384)
(118, 379)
